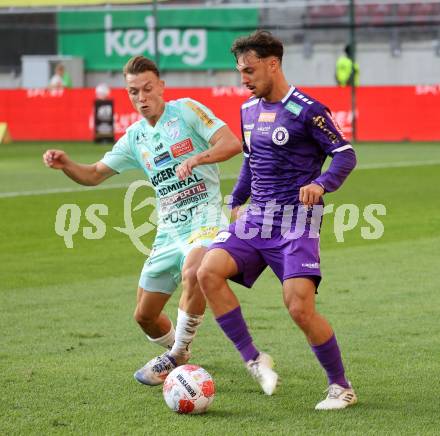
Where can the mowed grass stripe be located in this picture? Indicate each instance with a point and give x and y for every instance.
(70, 344)
(222, 177)
(29, 242)
(69, 352)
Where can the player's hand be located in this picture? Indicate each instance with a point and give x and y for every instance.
(311, 194)
(184, 170)
(235, 213)
(56, 159)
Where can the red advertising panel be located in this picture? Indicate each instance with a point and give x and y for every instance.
(398, 113)
(383, 113)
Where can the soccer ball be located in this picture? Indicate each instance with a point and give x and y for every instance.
(189, 389)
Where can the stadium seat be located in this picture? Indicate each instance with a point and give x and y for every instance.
(403, 12)
(327, 11)
(418, 12)
(361, 14)
(423, 11)
(326, 14)
(380, 13)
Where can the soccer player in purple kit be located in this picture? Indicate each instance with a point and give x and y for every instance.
(287, 137)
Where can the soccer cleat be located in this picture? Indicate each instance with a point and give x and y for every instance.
(338, 397)
(261, 370)
(156, 370)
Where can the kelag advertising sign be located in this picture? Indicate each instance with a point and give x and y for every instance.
(187, 39)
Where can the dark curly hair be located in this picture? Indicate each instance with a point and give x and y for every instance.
(262, 42)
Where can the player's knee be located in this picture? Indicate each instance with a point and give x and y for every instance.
(144, 318)
(189, 277)
(301, 316)
(208, 278)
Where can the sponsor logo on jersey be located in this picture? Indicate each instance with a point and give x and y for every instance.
(302, 97)
(264, 130)
(247, 138)
(171, 121)
(172, 128)
(162, 159)
(248, 126)
(141, 136)
(267, 117)
(188, 194)
(222, 237)
(158, 147)
(163, 175)
(207, 120)
(180, 216)
(182, 147)
(321, 123)
(294, 108)
(280, 135)
(162, 192)
(202, 234)
(310, 265)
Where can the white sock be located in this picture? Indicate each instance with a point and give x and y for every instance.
(166, 341)
(186, 329)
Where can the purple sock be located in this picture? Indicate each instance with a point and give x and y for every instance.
(233, 325)
(330, 359)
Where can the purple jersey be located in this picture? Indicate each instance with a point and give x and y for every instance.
(285, 146)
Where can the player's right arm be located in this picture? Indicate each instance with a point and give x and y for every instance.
(242, 188)
(89, 175)
(119, 159)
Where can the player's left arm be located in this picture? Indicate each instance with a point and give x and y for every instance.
(330, 138)
(224, 144)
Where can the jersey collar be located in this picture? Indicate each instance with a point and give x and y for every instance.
(289, 93)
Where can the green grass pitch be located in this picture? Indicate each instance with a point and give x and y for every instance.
(69, 344)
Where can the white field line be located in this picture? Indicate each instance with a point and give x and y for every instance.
(420, 163)
(224, 177)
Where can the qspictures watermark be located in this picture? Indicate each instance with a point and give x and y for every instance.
(293, 221)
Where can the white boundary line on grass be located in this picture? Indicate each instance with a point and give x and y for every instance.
(225, 177)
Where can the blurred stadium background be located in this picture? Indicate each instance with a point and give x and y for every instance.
(397, 47)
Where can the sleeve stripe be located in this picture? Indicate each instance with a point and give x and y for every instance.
(344, 147)
(245, 154)
(250, 103)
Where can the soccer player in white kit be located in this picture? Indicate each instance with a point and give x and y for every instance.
(177, 145)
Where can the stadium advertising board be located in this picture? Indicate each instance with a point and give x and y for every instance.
(106, 40)
(41, 114)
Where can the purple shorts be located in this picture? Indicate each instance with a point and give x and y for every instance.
(286, 257)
